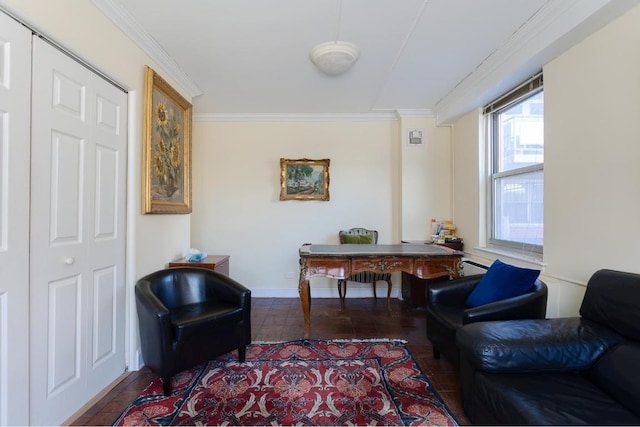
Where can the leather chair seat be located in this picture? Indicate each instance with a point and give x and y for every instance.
(203, 318)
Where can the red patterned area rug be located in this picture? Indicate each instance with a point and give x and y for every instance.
(303, 382)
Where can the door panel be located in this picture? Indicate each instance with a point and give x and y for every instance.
(106, 240)
(68, 95)
(61, 142)
(15, 106)
(104, 309)
(66, 188)
(77, 235)
(64, 345)
(106, 193)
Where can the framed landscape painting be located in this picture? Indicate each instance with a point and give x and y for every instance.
(304, 179)
(166, 151)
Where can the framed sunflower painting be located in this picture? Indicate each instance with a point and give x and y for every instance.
(166, 169)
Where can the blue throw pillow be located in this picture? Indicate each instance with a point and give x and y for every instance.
(502, 281)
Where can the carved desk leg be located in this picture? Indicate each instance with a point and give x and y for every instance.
(305, 300)
(455, 272)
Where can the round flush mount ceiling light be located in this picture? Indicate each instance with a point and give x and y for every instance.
(334, 57)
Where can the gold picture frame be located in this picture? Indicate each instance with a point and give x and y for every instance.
(166, 150)
(304, 179)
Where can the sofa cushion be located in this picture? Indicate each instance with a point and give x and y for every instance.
(535, 345)
(618, 374)
(502, 281)
(203, 319)
(358, 239)
(546, 399)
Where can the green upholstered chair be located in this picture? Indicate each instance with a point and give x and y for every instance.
(362, 236)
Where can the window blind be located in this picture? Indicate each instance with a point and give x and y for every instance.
(524, 89)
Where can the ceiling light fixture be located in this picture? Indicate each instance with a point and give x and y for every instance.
(335, 57)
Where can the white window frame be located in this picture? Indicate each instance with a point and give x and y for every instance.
(518, 95)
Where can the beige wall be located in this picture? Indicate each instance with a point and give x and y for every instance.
(592, 167)
(426, 178)
(236, 189)
(377, 182)
(592, 202)
(468, 159)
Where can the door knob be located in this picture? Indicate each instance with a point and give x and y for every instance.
(69, 260)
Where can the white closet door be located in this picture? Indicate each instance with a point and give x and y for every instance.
(15, 88)
(106, 240)
(78, 166)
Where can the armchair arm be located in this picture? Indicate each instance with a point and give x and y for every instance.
(534, 345)
(155, 327)
(452, 291)
(532, 305)
(223, 288)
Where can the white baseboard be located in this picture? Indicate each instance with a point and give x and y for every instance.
(139, 361)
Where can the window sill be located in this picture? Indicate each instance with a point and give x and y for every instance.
(534, 261)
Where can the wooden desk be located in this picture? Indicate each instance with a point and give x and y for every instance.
(219, 263)
(341, 261)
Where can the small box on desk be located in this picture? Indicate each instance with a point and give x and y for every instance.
(453, 243)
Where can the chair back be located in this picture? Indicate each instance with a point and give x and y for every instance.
(178, 286)
(612, 298)
(358, 232)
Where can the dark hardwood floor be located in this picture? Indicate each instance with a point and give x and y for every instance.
(280, 319)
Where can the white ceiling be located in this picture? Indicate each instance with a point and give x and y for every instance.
(441, 57)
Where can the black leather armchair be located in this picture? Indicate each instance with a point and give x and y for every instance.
(190, 315)
(447, 312)
(562, 371)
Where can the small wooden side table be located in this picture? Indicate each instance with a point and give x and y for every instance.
(219, 263)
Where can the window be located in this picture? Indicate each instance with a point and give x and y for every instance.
(516, 140)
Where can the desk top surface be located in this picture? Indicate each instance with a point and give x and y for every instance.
(377, 250)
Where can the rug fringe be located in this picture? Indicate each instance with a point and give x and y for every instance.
(334, 340)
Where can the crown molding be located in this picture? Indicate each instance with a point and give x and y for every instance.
(415, 114)
(552, 21)
(295, 117)
(121, 18)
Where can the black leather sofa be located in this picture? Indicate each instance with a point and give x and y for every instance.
(188, 316)
(565, 371)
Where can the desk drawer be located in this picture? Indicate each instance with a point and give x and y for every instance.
(430, 268)
(381, 265)
(330, 267)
